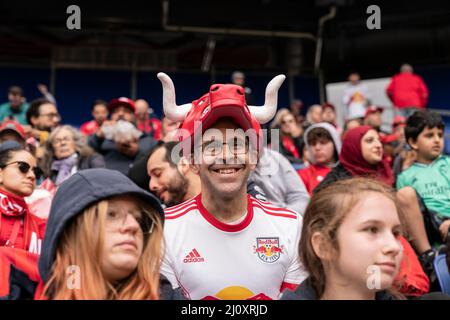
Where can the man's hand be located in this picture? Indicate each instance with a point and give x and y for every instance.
(128, 148)
(28, 130)
(443, 229)
(42, 89)
(409, 157)
(100, 132)
(31, 132)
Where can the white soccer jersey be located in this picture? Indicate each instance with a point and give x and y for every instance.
(253, 259)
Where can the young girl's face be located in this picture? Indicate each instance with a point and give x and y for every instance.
(369, 248)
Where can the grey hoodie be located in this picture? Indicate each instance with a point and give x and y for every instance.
(333, 133)
(280, 182)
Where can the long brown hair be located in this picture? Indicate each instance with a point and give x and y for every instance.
(325, 213)
(80, 246)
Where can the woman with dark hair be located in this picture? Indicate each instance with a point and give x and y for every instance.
(361, 156)
(19, 228)
(66, 152)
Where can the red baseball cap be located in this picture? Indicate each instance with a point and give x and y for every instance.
(122, 101)
(398, 120)
(389, 138)
(373, 109)
(12, 125)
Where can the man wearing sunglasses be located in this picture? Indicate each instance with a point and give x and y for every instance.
(223, 243)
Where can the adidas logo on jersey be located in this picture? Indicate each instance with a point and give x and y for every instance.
(193, 256)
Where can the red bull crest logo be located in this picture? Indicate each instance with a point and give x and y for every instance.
(268, 249)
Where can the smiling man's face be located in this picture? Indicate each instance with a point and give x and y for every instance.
(225, 160)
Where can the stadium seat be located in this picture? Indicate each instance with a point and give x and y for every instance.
(442, 273)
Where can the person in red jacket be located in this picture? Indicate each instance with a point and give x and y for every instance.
(407, 91)
(324, 145)
(19, 227)
(100, 114)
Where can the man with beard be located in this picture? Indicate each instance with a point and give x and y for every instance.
(224, 243)
(43, 116)
(172, 181)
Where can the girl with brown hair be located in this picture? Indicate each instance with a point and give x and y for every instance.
(350, 243)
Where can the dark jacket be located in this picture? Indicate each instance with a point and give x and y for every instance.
(91, 161)
(77, 193)
(114, 159)
(74, 195)
(336, 174)
(305, 291)
(299, 145)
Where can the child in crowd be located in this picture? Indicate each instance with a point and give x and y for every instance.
(324, 145)
(351, 218)
(426, 184)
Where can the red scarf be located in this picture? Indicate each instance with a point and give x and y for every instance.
(16, 218)
(353, 161)
(12, 205)
(290, 146)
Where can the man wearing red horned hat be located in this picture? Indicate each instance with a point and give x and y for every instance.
(225, 244)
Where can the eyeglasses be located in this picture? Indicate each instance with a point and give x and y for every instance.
(61, 140)
(236, 146)
(287, 121)
(51, 115)
(25, 167)
(115, 219)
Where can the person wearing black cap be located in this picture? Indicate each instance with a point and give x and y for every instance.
(118, 140)
(103, 241)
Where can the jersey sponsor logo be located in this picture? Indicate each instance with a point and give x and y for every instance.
(268, 249)
(193, 256)
(236, 293)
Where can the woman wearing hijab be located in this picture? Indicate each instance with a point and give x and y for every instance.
(362, 156)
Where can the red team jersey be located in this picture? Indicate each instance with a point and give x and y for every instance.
(254, 259)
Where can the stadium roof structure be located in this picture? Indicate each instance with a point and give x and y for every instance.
(251, 35)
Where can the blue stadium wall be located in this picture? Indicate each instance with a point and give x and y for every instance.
(75, 90)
